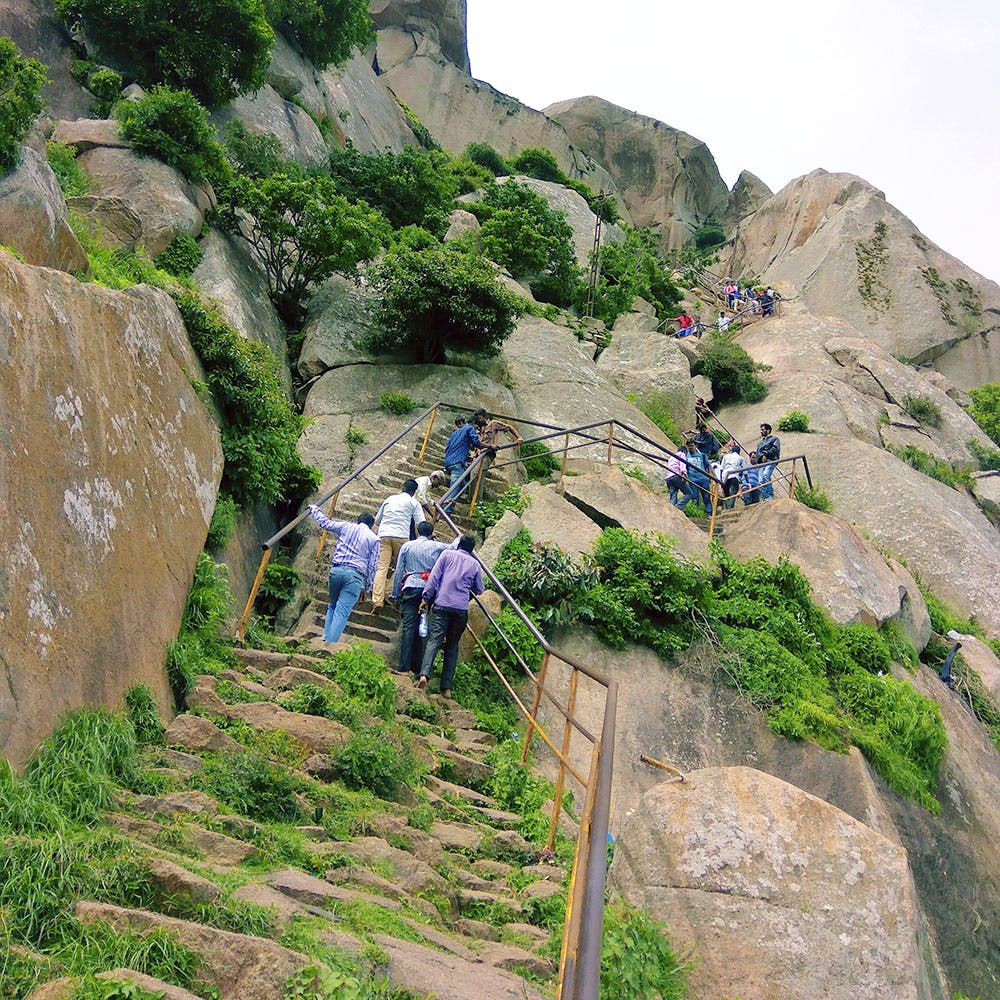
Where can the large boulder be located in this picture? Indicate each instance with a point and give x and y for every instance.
(266, 112)
(112, 218)
(458, 110)
(747, 195)
(849, 253)
(552, 520)
(105, 437)
(778, 892)
(437, 24)
(611, 499)
(33, 216)
(234, 278)
(849, 577)
(160, 196)
(666, 177)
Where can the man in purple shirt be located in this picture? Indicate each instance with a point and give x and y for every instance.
(352, 567)
(455, 577)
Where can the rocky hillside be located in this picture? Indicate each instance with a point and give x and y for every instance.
(201, 328)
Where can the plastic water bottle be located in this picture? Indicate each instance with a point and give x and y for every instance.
(422, 627)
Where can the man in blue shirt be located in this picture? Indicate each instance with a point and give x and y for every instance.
(413, 567)
(352, 567)
(456, 456)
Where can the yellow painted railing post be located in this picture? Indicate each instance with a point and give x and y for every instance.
(791, 480)
(713, 498)
(561, 778)
(427, 433)
(242, 628)
(539, 684)
(323, 533)
(475, 491)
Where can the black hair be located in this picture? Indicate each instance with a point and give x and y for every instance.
(467, 543)
(410, 486)
(425, 529)
(366, 519)
(766, 427)
(459, 421)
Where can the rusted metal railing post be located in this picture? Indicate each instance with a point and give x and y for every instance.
(427, 433)
(562, 468)
(611, 438)
(248, 609)
(539, 684)
(713, 499)
(791, 480)
(561, 778)
(322, 535)
(476, 488)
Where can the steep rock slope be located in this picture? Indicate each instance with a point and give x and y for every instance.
(665, 176)
(849, 253)
(106, 492)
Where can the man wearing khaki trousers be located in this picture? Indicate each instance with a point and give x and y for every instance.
(392, 524)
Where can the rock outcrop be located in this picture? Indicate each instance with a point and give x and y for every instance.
(665, 176)
(849, 253)
(436, 24)
(778, 892)
(748, 194)
(107, 491)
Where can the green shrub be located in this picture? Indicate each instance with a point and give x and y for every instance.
(90, 988)
(538, 461)
(539, 163)
(795, 422)
(436, 298)
(144, 714)
(21, 82)
(73, 182)
(324, 31)
(988, 458)
(223, 523)
(199, 648)
(215, 48)
(278, 586)
(181, 256)
(484, 155)
(900, 648)
(251, 785)
(732, 372)
(171, 125)
(363, 675)
(637, 961)
(516, 786)
(657, 407)
(522, 233)
(866, 647)
(468, 176)
(923, 409)
(261, 430)
(396, 404)
(488, 512)
(106, 86)
(410, 188)
(985, 409)
(945, 619)
(118, 267)
(936, 468)
(302, 231)
(254, 154)
(708, 237)
(813, 496)
(375, 759)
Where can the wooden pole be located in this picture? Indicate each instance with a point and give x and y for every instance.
(242, 628)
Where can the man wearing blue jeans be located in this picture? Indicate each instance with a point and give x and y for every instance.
(455, 577)
(352, 568)
(768, 450)
(456, 456)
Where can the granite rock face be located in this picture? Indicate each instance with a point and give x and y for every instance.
(440, 24)
(105, 496)
(849, 253)
(665, 176)
(778, 892)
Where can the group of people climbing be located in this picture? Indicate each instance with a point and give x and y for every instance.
(691, 469)
(739, 300)
(433, 581)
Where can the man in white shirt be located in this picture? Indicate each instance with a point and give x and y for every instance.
(424, 484)
(392, 523)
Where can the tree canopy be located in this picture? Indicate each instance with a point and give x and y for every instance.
(438, 295)
(21, 82)
(324, 31)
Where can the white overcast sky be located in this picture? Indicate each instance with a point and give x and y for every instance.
(905, 95)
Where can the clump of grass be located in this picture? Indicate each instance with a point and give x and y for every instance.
(396, 404)
(794, 422)
(814, 497)
(923, 409)
(539, 462)
(251, 785)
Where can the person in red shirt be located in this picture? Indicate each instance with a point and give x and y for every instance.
(684, 323)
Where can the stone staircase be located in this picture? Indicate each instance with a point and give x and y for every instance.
(456, 905)
(380, 627)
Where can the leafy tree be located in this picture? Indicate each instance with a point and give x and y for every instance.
(732, 372)
(633, 268)
(439, 296)
(324, 31)
(539, 163)
(21, 82)
(483, 154)
(985, 409)
(533, 241)
(215, 48)
(302, 231)
(173, 126)
(254, 154)
(409, 188)
(469, 175)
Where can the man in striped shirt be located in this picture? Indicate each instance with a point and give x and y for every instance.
(352, 567)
